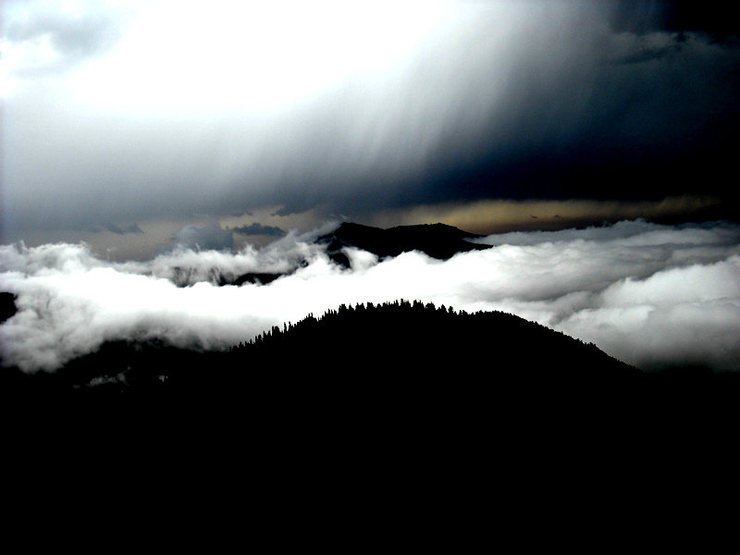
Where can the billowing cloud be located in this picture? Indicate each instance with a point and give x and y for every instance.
(651, 295)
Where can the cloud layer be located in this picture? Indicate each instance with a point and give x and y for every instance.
(648, 294)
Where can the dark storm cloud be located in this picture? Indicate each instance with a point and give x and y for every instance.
(637, 116)
(714, 18)
(546, 100)
(671, 47)
(581, 110)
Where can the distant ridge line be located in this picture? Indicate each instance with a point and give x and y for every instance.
(440, 241)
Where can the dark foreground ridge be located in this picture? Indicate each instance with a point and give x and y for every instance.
(7, 306)
(382, 397)
(367, 350)
(393, 357)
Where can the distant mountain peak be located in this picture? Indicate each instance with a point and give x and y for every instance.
(436, 228)
(437, 240)
(8, 307)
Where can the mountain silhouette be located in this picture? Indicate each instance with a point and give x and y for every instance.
(258, 278)
(392, 374)
(436, 240)
(466, 393)
(7, 306)
(383, 347)
(398, 352)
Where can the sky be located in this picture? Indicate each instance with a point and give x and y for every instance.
(137, 137)
(125, 121)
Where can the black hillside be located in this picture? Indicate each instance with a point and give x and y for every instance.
(382, 361)
(398, 350)
(400, 377)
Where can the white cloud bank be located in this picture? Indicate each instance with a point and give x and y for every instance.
(648, 294)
